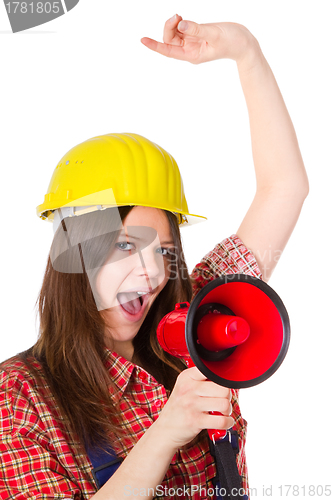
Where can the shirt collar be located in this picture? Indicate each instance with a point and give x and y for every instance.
(121, 371)
(119, 368)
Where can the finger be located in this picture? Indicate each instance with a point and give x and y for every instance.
(221, 405)
(211, 390)
(193, 29)
(220, 422)
(167, 50)
(171, 34)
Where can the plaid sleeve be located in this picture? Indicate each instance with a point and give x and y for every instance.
(28, 467)
(228, 257)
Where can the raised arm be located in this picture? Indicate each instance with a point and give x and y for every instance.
(282, 183)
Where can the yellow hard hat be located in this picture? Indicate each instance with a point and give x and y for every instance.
(116, 170)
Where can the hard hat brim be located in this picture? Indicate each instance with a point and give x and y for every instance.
(184, 219)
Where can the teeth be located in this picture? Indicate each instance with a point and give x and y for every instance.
(142, 293)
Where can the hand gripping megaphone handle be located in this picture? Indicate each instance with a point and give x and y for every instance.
(225, 335)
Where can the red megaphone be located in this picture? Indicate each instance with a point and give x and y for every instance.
(236, 331)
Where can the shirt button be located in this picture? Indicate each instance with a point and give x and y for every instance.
(143, 377)
(158, 403)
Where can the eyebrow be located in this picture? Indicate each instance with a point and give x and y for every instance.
(140, 239)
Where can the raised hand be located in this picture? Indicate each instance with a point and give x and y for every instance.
(198, 43)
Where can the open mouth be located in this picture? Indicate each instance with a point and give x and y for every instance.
(133, 303)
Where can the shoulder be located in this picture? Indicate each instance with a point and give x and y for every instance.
(26, 399)
(22, 382)
(21, 368)
(230, 256)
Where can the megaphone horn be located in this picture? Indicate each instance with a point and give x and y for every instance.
(236, 331)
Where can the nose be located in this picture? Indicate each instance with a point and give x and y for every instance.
(151, 264)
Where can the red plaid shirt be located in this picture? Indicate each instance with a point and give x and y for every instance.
(41, 460)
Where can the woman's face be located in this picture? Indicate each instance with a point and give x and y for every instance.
(135, 272)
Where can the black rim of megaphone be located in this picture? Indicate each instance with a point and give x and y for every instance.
(191, 340)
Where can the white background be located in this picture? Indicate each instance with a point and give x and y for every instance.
(86, 73)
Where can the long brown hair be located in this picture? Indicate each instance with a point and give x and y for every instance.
(70, 344)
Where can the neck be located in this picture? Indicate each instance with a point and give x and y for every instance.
(124, 349)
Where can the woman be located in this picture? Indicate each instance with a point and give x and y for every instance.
(96, 376)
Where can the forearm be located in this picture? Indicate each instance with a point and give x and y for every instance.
(143, 469)
(282, 183)
(277, 159)
(180, 421)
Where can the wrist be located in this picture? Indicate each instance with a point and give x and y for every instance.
(158, 434)
(251, 58)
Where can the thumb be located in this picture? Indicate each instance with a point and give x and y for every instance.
(192, 29)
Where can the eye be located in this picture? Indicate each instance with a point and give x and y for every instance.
(124, 246)
(164, 251)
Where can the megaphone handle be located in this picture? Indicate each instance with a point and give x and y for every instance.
(214, 434)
